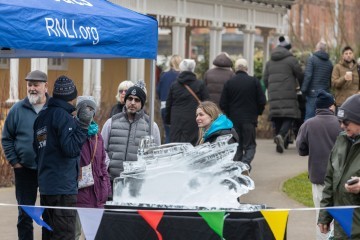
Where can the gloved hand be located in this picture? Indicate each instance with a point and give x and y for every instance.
(85, 115)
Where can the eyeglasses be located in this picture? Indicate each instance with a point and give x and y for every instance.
(123, 91)
(345, 122)
(130, 99)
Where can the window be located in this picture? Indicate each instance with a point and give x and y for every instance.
(57, 64)
(4, 63)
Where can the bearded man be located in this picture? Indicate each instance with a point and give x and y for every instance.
(345, 77)
(17, 138)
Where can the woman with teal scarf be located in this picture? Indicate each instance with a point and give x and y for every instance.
(93, 152)
(212, 123)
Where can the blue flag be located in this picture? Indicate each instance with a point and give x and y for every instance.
(344, 217)
(35, 213)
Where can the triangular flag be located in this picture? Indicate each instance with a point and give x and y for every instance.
(35, 213)
(215, 220)
(153, 218)
(344, 216)
(90, 220)
(277, 222)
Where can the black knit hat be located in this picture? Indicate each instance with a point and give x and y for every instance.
(324, 100)
(137, 90)
(65, 89)
(284, 43)
(350, 109)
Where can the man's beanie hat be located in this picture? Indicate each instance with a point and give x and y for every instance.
(139, 91)
(284, 43)
(36, 75)
(89, 100)
(324, 100)
(350, 109)
(65, 89)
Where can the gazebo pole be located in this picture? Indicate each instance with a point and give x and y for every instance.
(152, 94)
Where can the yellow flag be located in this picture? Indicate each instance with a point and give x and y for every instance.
(277, 221)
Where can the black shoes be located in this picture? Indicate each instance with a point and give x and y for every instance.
(279, 143)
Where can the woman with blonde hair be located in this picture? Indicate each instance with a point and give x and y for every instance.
(166, 79)
(123, 87)
(213, 123)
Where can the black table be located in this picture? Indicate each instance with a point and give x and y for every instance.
(182, 226)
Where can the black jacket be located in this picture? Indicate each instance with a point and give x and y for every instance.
(58, 140)
(181, 107)
(242, 99)
(282, 76)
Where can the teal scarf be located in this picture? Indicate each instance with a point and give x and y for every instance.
(93, 129)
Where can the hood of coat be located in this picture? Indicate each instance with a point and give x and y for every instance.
(322, 55)
(186, 76)
(56, 102)
(221, 123)
(280, 53)
(222, 60)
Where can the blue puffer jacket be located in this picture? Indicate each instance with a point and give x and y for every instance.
(58, 140)
(317, 74)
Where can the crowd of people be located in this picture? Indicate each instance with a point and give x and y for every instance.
(73, 161)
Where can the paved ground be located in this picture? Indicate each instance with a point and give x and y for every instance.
(270, 170)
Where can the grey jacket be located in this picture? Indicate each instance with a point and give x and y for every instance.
(282, 76)
(124, 139)
(18, 135)
(315, 139)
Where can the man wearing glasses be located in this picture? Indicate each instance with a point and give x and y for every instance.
(122, 132)
(342, 186)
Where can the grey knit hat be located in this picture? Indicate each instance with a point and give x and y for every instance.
(36, 75)
(65, 89)
(89, 100)
(350, 109)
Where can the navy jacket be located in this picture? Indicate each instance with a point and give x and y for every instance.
(166, 79)
(58, 140)
(317, 74)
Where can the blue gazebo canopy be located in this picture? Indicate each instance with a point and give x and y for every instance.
(75, 29)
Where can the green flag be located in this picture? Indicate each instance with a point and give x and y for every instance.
(215, 220)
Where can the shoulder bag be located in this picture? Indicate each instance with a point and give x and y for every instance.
(86, 178)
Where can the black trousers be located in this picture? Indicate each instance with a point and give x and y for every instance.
(247, 142)
(26, 186)
(282, 125)
(62, 221)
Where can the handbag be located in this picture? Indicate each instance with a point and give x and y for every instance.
(192, 93)
(86, 175)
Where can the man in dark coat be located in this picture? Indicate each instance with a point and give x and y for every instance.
(58, 139)
(317, 77)
(216, 77)
(282, 76)
(243, 100)
(181, 104)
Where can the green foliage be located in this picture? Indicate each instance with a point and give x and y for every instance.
(299, 189)
(258, 64)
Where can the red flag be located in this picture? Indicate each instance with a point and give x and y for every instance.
(153, 218)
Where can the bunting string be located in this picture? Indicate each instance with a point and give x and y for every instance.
(276, 218)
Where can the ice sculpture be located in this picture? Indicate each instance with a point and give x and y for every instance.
(180, 175)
